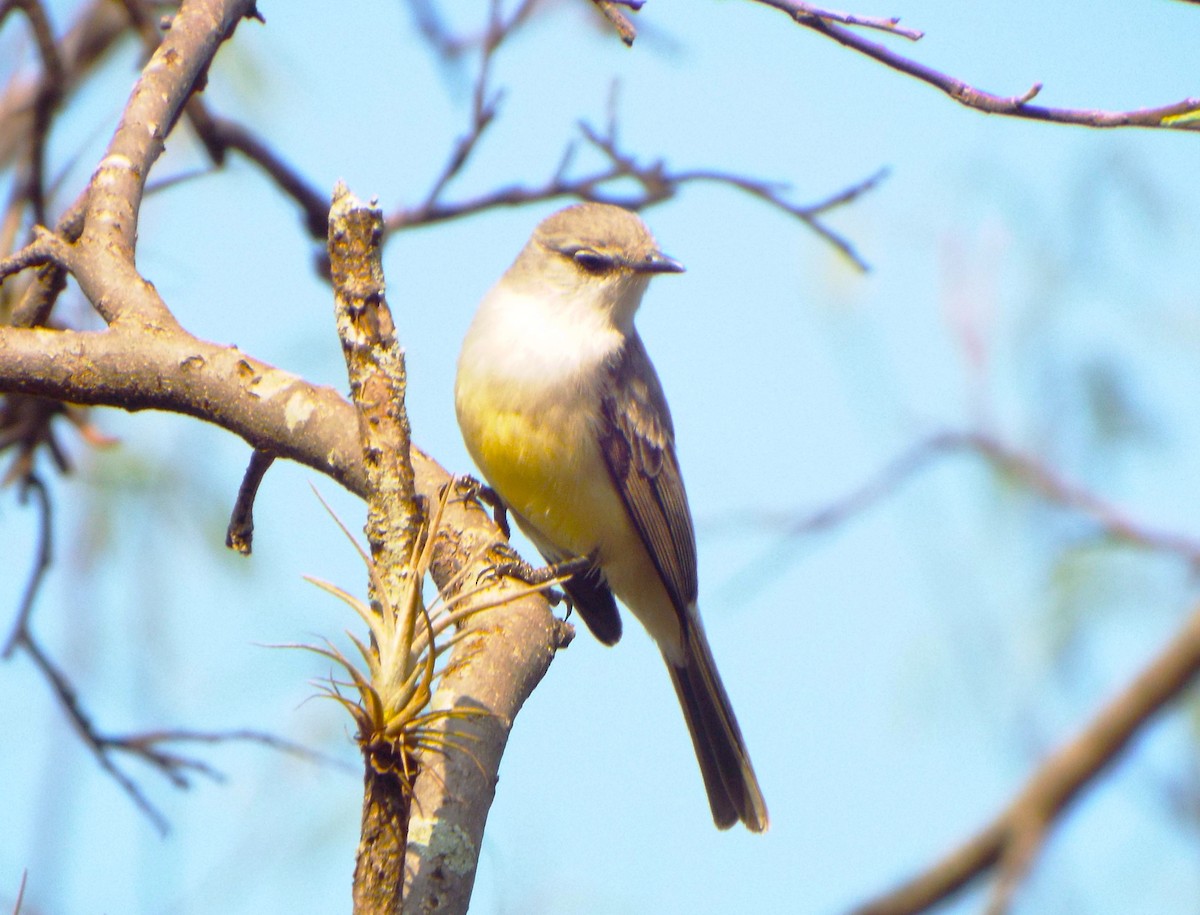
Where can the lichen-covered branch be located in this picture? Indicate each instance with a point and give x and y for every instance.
(375, 364)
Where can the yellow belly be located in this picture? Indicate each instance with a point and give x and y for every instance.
(545, 462)
(548, 468)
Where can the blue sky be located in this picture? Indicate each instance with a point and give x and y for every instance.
(896, 678)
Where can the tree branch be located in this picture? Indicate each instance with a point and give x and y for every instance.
(610, 10)
(1031, 472)
(1009, 844)
(1182, 115)
(500, 657)
(239, 534)
(375, 364)
(94, 32)
(147, 746)
(167, 81)
(656, 183)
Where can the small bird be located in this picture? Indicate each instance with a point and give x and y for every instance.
(563, 413)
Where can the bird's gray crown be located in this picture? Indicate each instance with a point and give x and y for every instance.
(601, 238)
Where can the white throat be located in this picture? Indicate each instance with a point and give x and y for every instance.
(551, 335)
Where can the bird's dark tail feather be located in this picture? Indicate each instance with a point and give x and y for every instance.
(733, 791)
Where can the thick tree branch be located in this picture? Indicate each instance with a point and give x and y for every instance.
(500, 657)
(495, 667)
(173, 371)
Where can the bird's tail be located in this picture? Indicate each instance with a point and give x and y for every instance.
(733, 791)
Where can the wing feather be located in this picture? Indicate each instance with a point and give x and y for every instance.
(638, 442)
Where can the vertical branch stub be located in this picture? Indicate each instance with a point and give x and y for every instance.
(375, 365)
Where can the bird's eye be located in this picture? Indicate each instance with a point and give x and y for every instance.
(592, 261)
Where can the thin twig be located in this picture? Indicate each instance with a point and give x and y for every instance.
(145, 746)
(1182, 115)
(68, 700)
(1030, 471)
(49, 93)
(24, 873)
(610, 10)
(239, 535)
(450, 46)
(891, 25)
(484, 106)
(43, 556)
(655, 183)
(46, 248)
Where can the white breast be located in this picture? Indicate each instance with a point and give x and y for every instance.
(537, 343)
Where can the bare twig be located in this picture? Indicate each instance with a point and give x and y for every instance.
(20, 892)
(610, 9)
(450, 46)
(890, 25)
(219, 135)
(43, 556)
(26, 424)
(1053, 486)
(1182, 115)
(227, 134)
(102, 746)
(147, 746)
(483, 105)
(46, 248)
(661, 184)
(49, 92)
(656, 183)
(1009, 844)
(1026, 469)
(97, 27)
(34, 307)
(239, 535)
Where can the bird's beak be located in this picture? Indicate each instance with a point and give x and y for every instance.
(658, 263)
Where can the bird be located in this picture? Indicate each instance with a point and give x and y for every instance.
(564, 415)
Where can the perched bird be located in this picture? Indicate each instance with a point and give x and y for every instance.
(564, 415)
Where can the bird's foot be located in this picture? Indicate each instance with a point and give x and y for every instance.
(487, 497)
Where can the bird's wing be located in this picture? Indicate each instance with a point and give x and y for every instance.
(638, 443)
